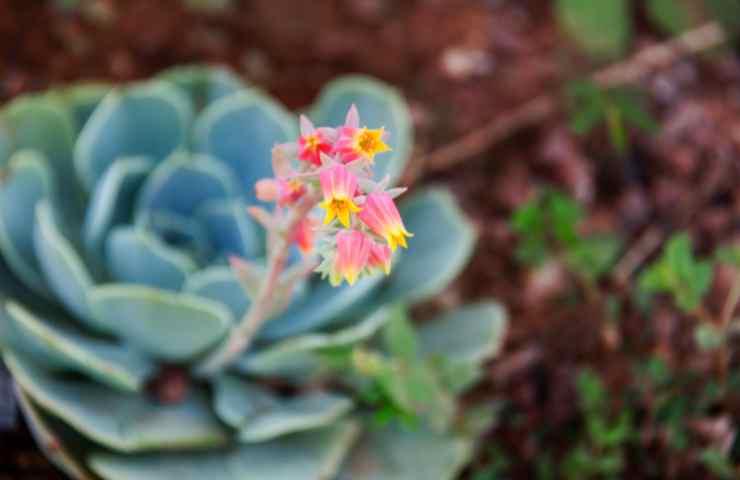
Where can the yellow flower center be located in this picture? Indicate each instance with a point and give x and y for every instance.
(340, 208)
(312, 142)
(367, 142)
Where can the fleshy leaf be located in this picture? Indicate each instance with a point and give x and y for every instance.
(395, 452)
(322, 305)
(136, 256)
(52, 438)
(380, 106)
(184, 182)
(314, 455)
(149, 120)
(28, 182)
(261, 416)
(204, 84)
(65, 272)
(463, 339)
(241, 130)
(441, 247)
(43, 123)
(300, 359)
(178, 231)
(236, 401)
(221, 285)
(112, 201)
(63, 349)
(230, 229)
(166, 325)
(126, 422)
(84, 99)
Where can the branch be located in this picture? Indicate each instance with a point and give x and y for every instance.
(648, 60)
(261, 309)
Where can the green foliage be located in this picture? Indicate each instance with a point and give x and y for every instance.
(671, 16)
(616, 108)
(601, 28)
(678, 273)
(548, 227)
(600, 454)
(718, 463)
(729, 254)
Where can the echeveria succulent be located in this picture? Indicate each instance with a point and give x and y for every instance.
(119, 208)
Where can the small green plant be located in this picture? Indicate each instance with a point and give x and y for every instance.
(616, 108)
(601, 451)
(547, 227)
(605, 29)
(679, 273)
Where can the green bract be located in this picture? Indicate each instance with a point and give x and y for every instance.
(118, 210)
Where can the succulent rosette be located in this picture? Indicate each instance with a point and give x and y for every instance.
(120, 209)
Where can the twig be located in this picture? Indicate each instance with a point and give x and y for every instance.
(650, 59)
(262, 308)
(637, 254)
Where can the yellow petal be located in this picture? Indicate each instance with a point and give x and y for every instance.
(343, 215)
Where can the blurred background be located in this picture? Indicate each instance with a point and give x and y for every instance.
(614, 120)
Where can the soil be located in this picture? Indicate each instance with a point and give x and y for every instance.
(460, 64)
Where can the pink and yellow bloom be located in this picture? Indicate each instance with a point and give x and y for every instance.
(381, 216)
(339, 187)
(352, 255)
(355, 142)
(289, 191)
(312, 145)
(380, 258)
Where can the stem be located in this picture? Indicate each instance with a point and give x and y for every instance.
(261, 309)
(725, 319)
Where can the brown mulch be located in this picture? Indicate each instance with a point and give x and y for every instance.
(460, 63)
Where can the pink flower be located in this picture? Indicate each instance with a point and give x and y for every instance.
(289, 191)
(353, 253)
(355, 142)
(303, 235)
(312, 143)
(381, 216)
(380, 258)
(339, 187)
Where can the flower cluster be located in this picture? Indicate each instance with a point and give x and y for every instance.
(332, 169)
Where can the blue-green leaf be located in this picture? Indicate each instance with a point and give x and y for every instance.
(322, 305)
(221, 285)
(395, 452)
(53, 439)
(184, 182)
(179, 231)
(260, 416)
(313, 455)
(462, 339)
(300, 359)
(230, 228)
(28, 181)
(126, 422)
(44, 124)
(83, 99)
(65, 272)
(166, 325)
(149, 119)
(380, 106)
(441, 247)
(241, 130)
(112, 201)
(204, 84)
(135, 256)
(63, 349)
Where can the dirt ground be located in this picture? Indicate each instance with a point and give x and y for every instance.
(462, 64)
